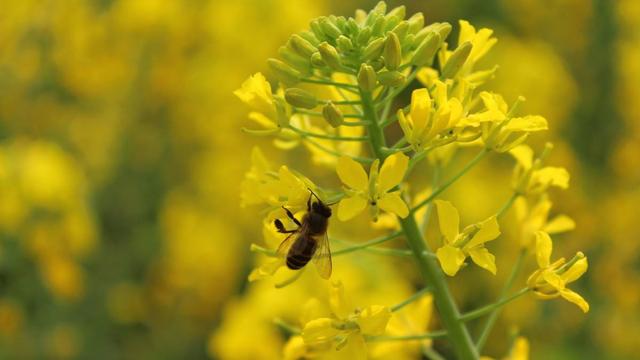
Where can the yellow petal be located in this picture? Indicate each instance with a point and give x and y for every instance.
(392, 171)
(350, 207)
(554, 280)
(467, 31)
(489, 230)
(575, 298)
(527, 123)
(559, 224)
(483, 258)
(553, 176)
(544, 246)
(575, 271)
(319, 331)
(373, 320)
(520, 350)
(352, 174)
(420, 109)
(355, 348)
(523, 155)
(391, 202)
(265, 270)
(338, 301)
(451, 258)
(295, 348)
(448, 219)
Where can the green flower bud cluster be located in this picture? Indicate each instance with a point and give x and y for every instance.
(376, 47)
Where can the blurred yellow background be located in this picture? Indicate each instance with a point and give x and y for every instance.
(121, 155)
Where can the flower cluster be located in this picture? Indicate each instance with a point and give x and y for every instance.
(338, 83)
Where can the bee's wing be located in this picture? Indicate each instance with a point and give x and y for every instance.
(322, 257)
(285, 245)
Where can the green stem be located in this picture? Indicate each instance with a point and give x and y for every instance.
(431, 353)
(367, 244)
(335, 153)
(449, 182)
(291, 329)
(329, 82)
(488, 326)
(430, 335)
(492, 307)
(427, 214)
(410, 299)
(456, 330)
(503, 210)
(319, 114)
(328, 137)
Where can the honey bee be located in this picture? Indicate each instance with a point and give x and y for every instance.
(309, 240)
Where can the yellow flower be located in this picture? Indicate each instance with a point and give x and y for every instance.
(550, 280)
(374, 189)
(345, 326)
(519, 351)
(529, 177)
(429, 120)
(499, 130)
(256, 92)
(471, 242)
(536, 218)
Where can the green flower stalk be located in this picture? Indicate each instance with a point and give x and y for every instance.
(348, 74)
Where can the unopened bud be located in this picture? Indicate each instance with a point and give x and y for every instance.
(378, 27)
(400, 12)
(391, 78)
(426, 50)
(416, 22)
(332, 115)
(283, 72)
(344, 44)
(330, 55)
(373, 50)
(302, 46)
(329, 28)
(300, 98)
(316, 60)
(367, 78)
(364, 36)
(456, 60)
(392, 53)
(401, 29)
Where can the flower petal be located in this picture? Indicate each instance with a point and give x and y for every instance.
(544, 246)
(319, 331)
(448, 219)
(352, 174)
(559, 224)
(391, 202)
(338, 301)
(489, 230)
(350, 207)
(523, 155)
(527, 123)
(575, 271)
(392, 171)
(553, 176)
(554, 280)
(575, 298)
(483, 258)
(420, 109)
(451, 258)
(373, 320)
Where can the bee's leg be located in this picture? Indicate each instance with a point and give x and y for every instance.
(290, 215)
(309, 204)
(281, 228)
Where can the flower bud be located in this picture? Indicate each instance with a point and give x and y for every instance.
(401, 29)
(392, 53)
(344, 44)
(426, 50)
(283, 72)
(302, 46)
(294, 60)
(317, 29)
(316, 60)
(456, 60)
(416, 22)
(364, 36)
(443, 30)
(373, 50)
(391, 78)
(332, 115)
(329, 28)
(377, 64)
(367, 78)
(400, 12)
(330, 55)
(300, 98)
(378, 27)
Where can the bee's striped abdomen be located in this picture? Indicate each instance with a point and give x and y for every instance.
(301, 252)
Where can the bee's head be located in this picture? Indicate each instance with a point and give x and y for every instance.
(320, 208)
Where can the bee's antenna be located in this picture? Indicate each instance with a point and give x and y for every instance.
(314, 194)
